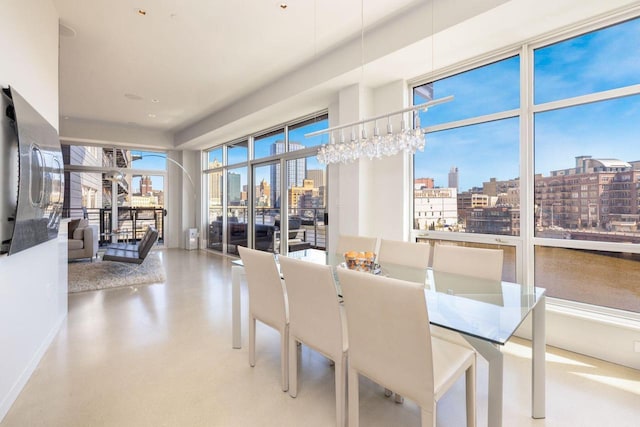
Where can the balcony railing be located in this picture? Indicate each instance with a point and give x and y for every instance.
(308, 225)
(132, 222)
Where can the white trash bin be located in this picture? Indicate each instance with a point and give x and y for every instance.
(192, 239)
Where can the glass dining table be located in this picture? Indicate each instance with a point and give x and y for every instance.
(485, 312)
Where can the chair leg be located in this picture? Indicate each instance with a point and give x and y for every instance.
(284, 357)
(252, 340)
(293, 366)
(470, 382)
(341, 387)
(428, 419)
(354, 404)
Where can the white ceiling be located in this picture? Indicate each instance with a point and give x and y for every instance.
(212, 65)
(194, 56)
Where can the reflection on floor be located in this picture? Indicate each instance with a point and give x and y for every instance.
(160, 355)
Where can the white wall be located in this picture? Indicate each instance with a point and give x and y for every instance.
(33, 284)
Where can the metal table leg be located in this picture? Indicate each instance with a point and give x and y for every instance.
(538, 346)
(494, 356)
(236, 272)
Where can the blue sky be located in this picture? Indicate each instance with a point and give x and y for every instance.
(603, 60)
(149, 161)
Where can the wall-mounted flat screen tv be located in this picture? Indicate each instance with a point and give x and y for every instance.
(31, 176)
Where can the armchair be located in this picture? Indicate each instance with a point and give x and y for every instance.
(82, 240)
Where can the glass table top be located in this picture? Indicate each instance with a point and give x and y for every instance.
(487, 309)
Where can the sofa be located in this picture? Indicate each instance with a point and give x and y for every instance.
(237, 234)
(82, 241)
(266, 237)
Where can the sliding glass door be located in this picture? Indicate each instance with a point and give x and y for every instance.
(267, 199)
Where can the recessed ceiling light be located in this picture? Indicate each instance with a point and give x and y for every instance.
(133, 96)
(155, 100)
(153, 116)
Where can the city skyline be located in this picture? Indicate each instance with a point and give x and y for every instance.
(575, 67)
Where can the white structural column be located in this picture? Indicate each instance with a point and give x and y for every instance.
(351, 186)
(386, 204)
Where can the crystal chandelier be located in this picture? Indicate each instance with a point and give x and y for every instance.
(408, 139)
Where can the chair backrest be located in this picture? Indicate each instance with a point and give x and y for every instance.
(356, 243)
(147, 243)
(475, 262)
(388, 332)
(314, 310)
(267, 294)
(404, 253)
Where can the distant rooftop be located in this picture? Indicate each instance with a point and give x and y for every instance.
(611, 163)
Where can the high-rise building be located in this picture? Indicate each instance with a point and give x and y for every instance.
(308, 189)
(233, 188)
(296, 170)
(453, 178)
(263, 194)
(317, 176)
(146, 186)
(215, 184)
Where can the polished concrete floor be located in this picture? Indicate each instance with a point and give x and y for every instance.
(160, 355)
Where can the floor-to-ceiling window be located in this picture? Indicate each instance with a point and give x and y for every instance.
(215, 197)
(538, 151)
(466, 186)
(120, 190)
(306, 187)
(268, 184)
(586, 210)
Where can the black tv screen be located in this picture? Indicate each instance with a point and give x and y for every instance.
(31, 176)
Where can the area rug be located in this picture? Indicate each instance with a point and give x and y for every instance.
(91, 276)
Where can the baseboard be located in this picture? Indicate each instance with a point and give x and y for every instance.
(12, 395)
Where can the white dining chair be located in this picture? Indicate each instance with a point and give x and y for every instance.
(476, 262)
(390, 343)
(395, 253)
(356, 243)
(267, 303)
(316, 320)
(473, 262)
(409, 254)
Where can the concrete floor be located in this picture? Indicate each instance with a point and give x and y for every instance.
(160, 355)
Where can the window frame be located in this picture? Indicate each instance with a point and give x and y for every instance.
(527, 241)
(253, 162)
